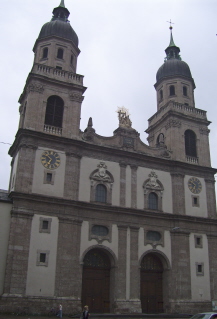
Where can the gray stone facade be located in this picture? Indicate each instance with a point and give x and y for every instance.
(115, 217)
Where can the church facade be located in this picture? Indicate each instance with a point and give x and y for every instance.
(110, 222)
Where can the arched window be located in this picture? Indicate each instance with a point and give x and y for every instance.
(101, 193)
(190, 143)
(172, 90)
(161, 94)
(45, 53)
(153, 201)
(185, 91)
(60, 53)
(54, 111)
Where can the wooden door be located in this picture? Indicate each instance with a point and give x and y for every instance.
(151, 292)
(96, 283)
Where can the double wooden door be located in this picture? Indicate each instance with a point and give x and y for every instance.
(95, 290)
(151, 292)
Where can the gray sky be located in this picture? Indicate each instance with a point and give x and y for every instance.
(122, 45)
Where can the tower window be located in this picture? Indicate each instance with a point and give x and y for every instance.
(190, 143)
(161, 95)
(54, 111)
(45, 53)
(185, 91)
(72, 58)
(172, 90)
(200, 269)
(60, 53)
(153, 201)
(101, 193)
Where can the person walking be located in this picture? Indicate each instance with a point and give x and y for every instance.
(60, 312)
(86, 312)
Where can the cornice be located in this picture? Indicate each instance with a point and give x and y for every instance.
(108, 209)
(83, 148)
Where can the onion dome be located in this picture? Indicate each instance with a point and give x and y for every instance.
(59, 25)
(173, 64)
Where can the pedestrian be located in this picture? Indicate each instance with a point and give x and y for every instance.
(60, 312)
(86, 312)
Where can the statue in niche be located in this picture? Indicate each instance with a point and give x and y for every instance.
(124, 117)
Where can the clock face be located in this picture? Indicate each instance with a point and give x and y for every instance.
(194, 185)
(50, 159)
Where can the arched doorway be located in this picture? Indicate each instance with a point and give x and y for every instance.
(151, 292)
(96, 281)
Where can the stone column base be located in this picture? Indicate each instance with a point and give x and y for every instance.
(184, 306)
(127, 306)
(38, 305)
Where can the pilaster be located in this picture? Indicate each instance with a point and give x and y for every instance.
(212, 248)
(133, 186)
(123, 166)
(120, 283)
(68, 270)
(210, 198)
(178, 193)
(25, 168)
(72, 174)
(134, 269)
(18, 253)
(180, 284)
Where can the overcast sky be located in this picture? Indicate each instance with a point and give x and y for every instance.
(122, 45)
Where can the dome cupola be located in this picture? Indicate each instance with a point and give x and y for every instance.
(173, 64)
(174, 79)
(59, 26)
(57, 43)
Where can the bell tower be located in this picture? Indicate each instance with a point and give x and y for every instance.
(178, 125)
(52, 97)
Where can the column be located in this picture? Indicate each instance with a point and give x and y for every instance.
(18, 253)
(210, 198)
(72, 175)
(178, 192)
(133, 186)
(123, 166)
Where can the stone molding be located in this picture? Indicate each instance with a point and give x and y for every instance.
(204, 130)
(35, 87)
(22, 214)
(98, 238)
(123, 164)
(26, 145)
(77, 97)
(74, 154)
(122, 227)
(173, 123)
